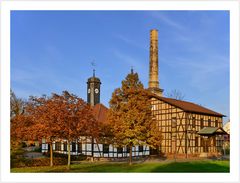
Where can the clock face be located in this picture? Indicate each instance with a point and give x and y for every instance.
(88, 90)
(96, 90)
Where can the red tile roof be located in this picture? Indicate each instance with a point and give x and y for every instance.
(188, 106)
(100, 112)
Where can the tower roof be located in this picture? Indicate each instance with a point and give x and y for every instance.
(94, 79)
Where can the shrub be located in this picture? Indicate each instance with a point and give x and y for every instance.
(23, 144)
(23, 162)
(80, 157)
(37, 149)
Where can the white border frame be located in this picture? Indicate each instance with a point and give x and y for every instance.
(7, 6)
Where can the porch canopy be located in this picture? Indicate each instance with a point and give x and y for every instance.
(211, 131)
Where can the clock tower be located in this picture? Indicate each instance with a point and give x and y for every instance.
(93, 90)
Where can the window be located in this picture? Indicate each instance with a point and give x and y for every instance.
(209, 122)
(201, 123)
(202, 141)
(216, 123)
(214, 141)
(79, 147)
(153, 107)
(119, 150)
(73, 146)
(105, 148)
(196, 141)
(193, 122)
(128, 149)
(140, 148)
(58, 146)
(65, 146)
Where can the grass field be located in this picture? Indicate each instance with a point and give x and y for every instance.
(207, 166)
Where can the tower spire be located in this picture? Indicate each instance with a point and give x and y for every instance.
(131, 69)
(153, 83)
(93, 88)
(93, 65)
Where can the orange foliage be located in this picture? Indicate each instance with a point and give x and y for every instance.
(59, 116)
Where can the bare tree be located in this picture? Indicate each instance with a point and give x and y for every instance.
(17, 105)
(176, 94)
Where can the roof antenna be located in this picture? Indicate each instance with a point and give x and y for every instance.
(93, 65)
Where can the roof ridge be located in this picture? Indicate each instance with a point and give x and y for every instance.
(188, 106)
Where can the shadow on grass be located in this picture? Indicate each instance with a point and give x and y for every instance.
(193, 167)
(160, 167)
(177, 167)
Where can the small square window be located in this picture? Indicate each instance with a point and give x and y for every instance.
(105, 148)
(58, 146)
(128, 149)
(79, 147)
(202, 123)
(193, 122)
(119, 150)
(73, 146)
(209, 122)
(65, 146)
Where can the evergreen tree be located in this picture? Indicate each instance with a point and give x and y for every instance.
(131, 116)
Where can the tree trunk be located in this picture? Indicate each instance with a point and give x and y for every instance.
(130, 155)
(51, 154)
(69, 155)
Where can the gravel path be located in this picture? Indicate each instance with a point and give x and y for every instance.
(32, 155)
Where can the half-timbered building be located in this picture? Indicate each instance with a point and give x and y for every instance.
(187, 129)
(90, 147)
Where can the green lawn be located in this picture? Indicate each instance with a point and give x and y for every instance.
(165, 166)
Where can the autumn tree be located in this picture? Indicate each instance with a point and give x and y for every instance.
(17, 106)
(131, 115)
(54, 118)
(38, 121)
(75, 118)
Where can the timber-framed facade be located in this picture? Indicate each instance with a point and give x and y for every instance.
(84, 146)
(180, 123)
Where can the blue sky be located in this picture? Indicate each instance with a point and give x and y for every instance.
(52, 51)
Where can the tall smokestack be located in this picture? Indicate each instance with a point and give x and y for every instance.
(153, 83)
